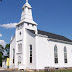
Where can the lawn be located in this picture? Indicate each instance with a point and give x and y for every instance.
(58, 71)
(62, 71)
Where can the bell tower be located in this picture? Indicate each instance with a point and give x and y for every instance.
(24, 37)
(26, 15)
(26, 11)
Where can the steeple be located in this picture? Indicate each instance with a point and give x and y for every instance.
(26, 15)
(26, 0)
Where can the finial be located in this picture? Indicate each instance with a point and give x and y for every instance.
(26, 0)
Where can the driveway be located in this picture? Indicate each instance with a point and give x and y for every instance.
(4, 71)
(9, 71)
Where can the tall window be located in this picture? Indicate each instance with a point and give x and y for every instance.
(65, 55)
(20, 47)
(55, 54)
(13, 55)
(30, 53)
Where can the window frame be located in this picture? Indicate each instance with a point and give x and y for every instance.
(31, 54)
(20, 48)
(13, 55)
(55, 54)
(19, 60)
(65, 55)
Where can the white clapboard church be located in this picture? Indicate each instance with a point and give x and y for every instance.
(31, 48)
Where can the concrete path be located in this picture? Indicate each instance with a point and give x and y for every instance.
(7, 71)
(1, 69)
(10, 71)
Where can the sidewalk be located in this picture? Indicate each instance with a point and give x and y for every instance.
(1, 69)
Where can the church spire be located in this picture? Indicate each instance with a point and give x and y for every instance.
(27, 1)
(27, 13)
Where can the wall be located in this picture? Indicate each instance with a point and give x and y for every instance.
(19, 39)
(30, 40)
(42, 52)
(45, 53)
(60, 47)
(12, 46)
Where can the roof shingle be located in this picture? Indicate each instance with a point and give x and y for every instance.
(54, 36)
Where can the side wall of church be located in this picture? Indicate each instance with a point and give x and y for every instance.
(42, 52)
(45, 53)
(12, 46)
(60, 49)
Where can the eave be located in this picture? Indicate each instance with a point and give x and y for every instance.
(61, 41)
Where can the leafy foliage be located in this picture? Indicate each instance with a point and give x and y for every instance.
(7, 49)
(1, 54)
(2, 49)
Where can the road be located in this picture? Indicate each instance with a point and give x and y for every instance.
(4, 71)
(9, 71)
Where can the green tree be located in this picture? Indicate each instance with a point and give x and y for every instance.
(1, 54)
(7, 49)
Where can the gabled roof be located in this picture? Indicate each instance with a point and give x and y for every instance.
(51, 35)
(54, 36)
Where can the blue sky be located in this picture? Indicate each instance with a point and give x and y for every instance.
(54, 16)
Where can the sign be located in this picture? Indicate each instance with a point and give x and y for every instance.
(7, 62)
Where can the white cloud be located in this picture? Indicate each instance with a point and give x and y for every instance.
(2, 42)
(0, 35)
(10, 25)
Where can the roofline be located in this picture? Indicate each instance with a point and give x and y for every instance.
(25, 22)
(51, 39)
(41, 35)
(12, 39)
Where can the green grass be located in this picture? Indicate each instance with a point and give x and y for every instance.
(62, 71)
(58, 71)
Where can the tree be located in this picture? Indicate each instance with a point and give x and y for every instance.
(7, 49)
(1, 49)
(1, 54)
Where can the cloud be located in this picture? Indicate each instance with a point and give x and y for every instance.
(0, 35)
(10, 25)
(3, 43)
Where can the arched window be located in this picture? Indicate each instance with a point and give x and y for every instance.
(20, 47)
(30, 53)
(19, 60)
(55, 54)
(65, 55)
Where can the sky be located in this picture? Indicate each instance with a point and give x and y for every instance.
(53, 16)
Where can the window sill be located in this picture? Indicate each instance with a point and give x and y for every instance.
(19, 52)
(30, 63)
(56, 63)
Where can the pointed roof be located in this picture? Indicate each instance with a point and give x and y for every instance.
(26, 0)
(27, 5)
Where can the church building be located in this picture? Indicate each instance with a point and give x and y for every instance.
(31, 48)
